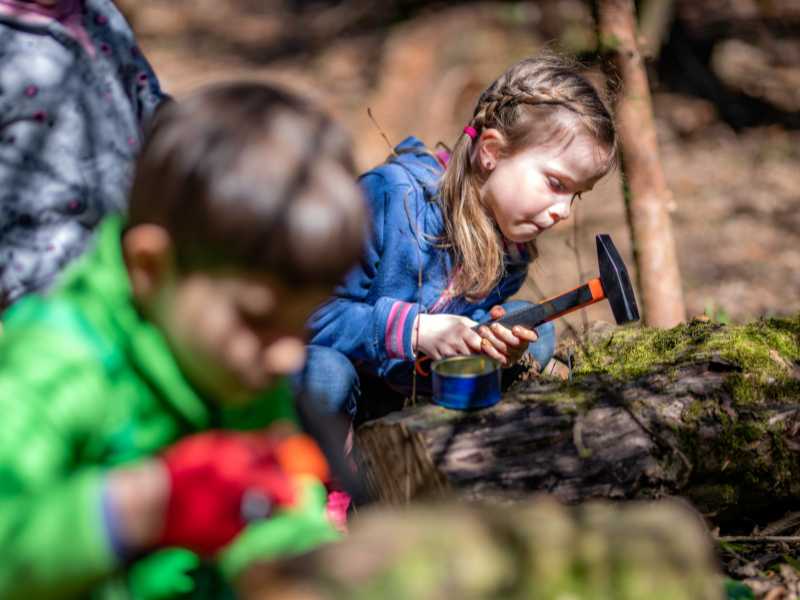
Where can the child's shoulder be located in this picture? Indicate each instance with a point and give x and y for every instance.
(43, 360)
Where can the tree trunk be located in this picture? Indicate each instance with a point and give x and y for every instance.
(702, 426)
(648, 198)
(656, 17)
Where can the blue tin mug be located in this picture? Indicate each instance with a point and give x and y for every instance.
(466, 382)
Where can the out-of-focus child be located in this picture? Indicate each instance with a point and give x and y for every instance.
(75, 92)
(123, 390)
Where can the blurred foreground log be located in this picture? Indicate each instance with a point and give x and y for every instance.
(541, 550)
(703, 410)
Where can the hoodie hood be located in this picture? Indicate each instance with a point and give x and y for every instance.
(420, 162)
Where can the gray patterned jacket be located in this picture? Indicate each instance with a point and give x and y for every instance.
(74, 94)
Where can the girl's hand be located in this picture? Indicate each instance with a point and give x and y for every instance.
(505, 345)
(439, 336)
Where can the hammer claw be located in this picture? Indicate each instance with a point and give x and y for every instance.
(616, 283)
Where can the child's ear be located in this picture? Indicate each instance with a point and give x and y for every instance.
(149, 258)
(490, 148)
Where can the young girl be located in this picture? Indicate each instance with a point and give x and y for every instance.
(75, 92)
(451, 243)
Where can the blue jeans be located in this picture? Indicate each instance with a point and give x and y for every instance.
(542, 349)
(333, 380)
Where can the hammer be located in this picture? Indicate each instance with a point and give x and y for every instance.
(613, 285)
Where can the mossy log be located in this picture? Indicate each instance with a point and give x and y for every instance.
(705, 411)
(539, 550)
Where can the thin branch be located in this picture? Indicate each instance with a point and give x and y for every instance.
(380, 130)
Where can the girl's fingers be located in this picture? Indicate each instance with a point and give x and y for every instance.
(504, 333)
(497, 312)
(462, 349)
(450, 350)
(492, 352)
(524, 333)
(456, 348)
(488, 334)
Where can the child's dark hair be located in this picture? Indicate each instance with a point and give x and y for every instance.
(537, 101)
(247, 176)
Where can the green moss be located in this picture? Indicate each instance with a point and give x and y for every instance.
(632, 352)
(694, 412)
(766, 352)
(570, 399)
(748, 389)
(748, 452)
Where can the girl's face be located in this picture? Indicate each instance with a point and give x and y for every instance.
(532, 190)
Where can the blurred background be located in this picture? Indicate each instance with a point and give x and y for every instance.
(725, 76)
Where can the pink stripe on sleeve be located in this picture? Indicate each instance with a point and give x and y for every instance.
(389, 325)
(399, 330)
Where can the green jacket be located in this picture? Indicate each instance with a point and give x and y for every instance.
(86, 384)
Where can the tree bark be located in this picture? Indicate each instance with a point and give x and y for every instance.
(656, 16)
(681, 429)
(649, 197)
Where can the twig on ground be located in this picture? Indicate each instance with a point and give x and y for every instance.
(788, 522)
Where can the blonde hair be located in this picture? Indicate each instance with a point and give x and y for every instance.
(529, 105)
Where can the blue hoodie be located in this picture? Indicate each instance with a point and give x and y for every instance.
(371, 315)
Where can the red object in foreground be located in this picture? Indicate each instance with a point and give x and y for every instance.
(219, 481)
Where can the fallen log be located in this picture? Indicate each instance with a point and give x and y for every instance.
(538, 550)
(705, 411)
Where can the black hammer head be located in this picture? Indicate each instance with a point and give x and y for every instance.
(616, 283)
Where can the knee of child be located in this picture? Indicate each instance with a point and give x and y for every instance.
(547, 331)
(330, 379)
(543, 348)
(513, 305)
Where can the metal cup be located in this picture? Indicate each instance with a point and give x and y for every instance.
(466, 382)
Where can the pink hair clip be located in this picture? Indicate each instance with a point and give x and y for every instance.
(471, 131)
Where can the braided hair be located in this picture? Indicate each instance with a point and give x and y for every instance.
(538, 101)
